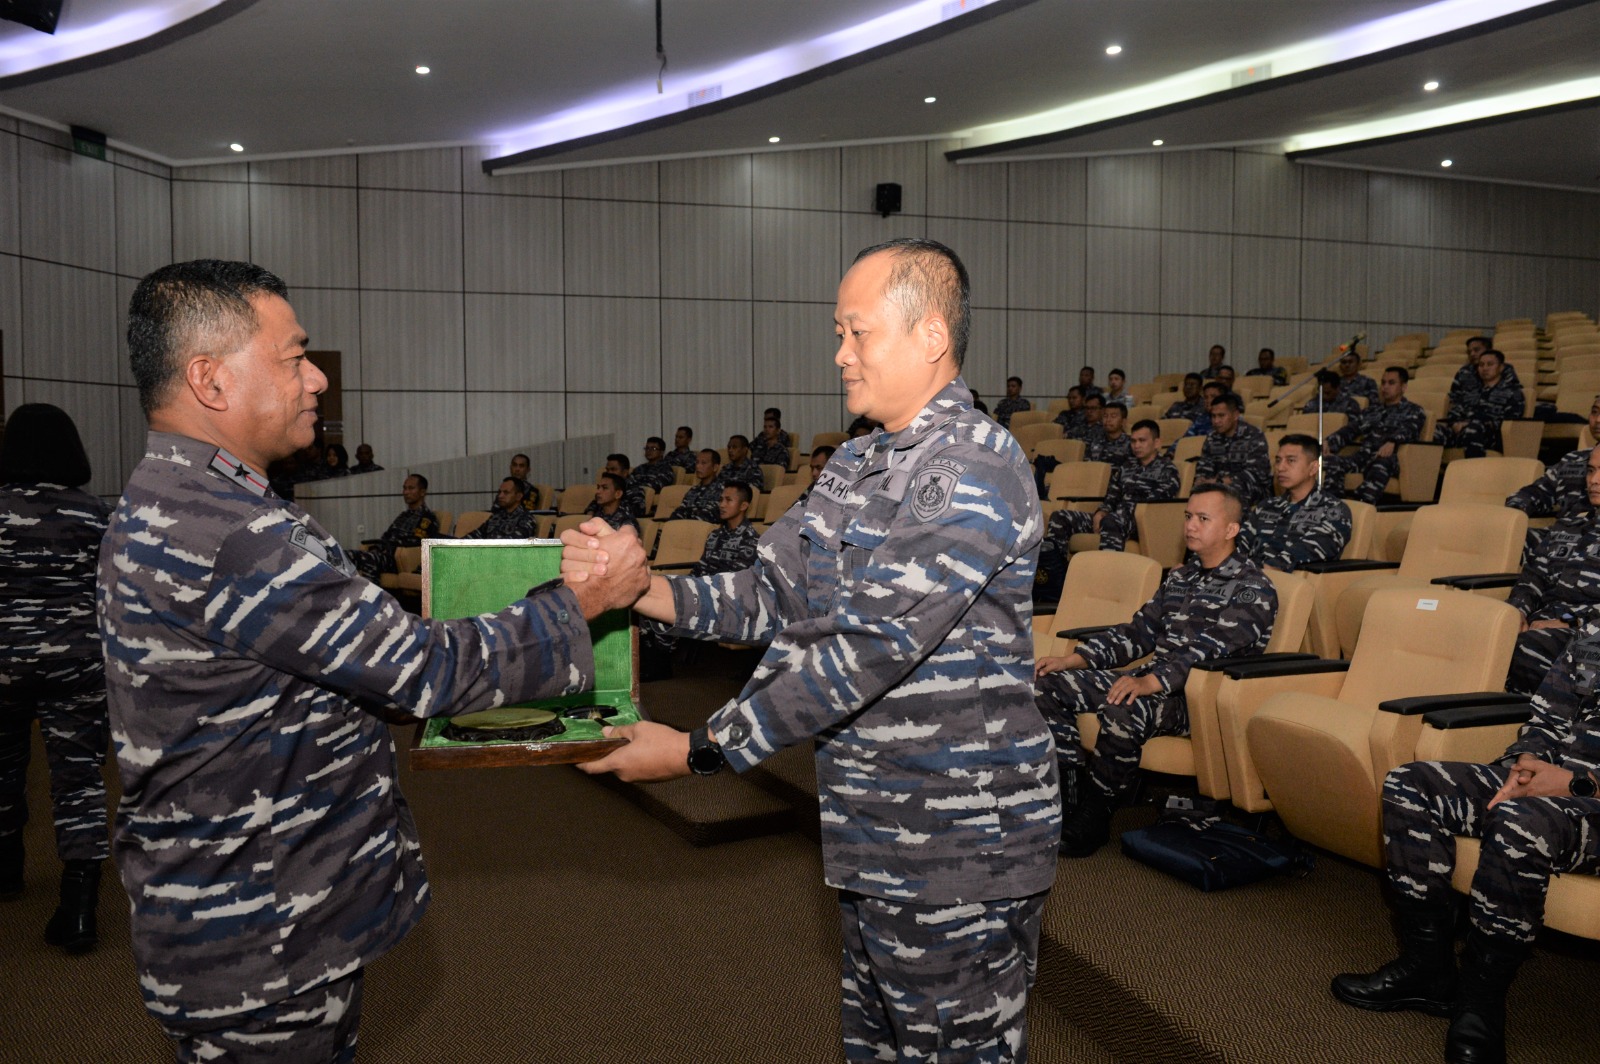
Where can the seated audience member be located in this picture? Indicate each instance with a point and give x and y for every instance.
(1235, 452)
(1210, 392)
(862, 426)
(1267, 366)
(818, 462)
(1219, 604)
(1214, 360)
(740, 468)
(1466, 380)
(1013, 403)
(620, 465)
(1474, 424)
(1559, 590)
(978, 404)
(519, 471)
(1353, 384)
(1117, 388)
(1149, 476)
(415, 523)
(1086, 383)
(364, 462)
(1112, 443)
(508, 519)
(1379, 431)
(1535, 810)
(683, 452)
(772, 446)
(1192, 405)
(1225, 377)
(336, 461)
(700, 501)
(1302, 525)
(608, 505)
(655, 472)
(1072, 418)
(1328, 400)
(1562, 491)
(1089, 428)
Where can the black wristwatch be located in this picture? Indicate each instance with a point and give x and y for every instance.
(705, 756)
(1582, 785)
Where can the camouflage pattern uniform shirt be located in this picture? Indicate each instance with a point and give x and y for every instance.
(728, 550)
(683, 458)
(622, 517)
(764, 453)
(699, 504)
(506, 524)
(1194, 411)
(261, 838)
(1560, 582)
(1563, 490)
(1006, 407)
(1339, 404)
(1359, 386)
(1102, 448)
(1241, 457)
(745, 472)
(896, 603)
(1291, 535)
(654, 475)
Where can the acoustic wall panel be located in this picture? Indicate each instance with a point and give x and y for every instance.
(512, 244)
(210, 220)
(613, 344)
(1266, 194)
(1197, 191)
(305, 234)
(515, 343)
(1046, 349)
(412, 340)
(723, 180)
(68, 204)
(410, 240)
(795, 254)
(612, 248)
(143, 222)
(705, 252)
(807, 180)
(864, 168)
(1054, 190)
(334, 170)
(424, 169)
(1045, 266)
(706, 344)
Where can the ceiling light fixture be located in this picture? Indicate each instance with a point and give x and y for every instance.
(1114, 49)
(236, 147)
(1447, 163)
(1157, 142)
(424, 70)
(930, 99)
(1429, 86)
(773, 140)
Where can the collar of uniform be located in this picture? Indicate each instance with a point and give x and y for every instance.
(1226, 569)
(953, 399)
(197, 454)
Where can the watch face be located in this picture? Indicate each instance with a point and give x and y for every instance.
(1582, 785)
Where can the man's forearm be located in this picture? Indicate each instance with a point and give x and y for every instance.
(657, 603)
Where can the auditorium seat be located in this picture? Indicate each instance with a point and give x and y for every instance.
(780, 500)
(575, 498)
(681, 544)
(1030, 417)
(469, 521)
(1573, 904)
(1160, 526)
(771, 476)
(669, 499)
(1029, 437)
(1470, 480)
(1080, 482)
(1061, 450)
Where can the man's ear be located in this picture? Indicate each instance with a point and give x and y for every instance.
(935, 337)
(207, 378)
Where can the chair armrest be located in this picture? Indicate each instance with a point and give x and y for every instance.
(1478, 716)
(1082, 633)
(1271, 669)
(545, 513)
(1078, 498)
(665, 567)
(1411, 707)
(1223, 664)
(1401, 507)
(1042, 608)
(1479, 581)
(368, 544)
(1353, 565)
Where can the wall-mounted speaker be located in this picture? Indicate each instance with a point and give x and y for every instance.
(39, 14)
(886, 200)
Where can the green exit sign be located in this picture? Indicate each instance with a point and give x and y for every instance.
(90, 142)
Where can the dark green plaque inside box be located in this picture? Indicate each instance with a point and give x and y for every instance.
(468, 578)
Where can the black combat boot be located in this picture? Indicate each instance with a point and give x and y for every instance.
(1089, 826)
(1478, 1019)
(73, 926)
(10, 866)
(1423, 977)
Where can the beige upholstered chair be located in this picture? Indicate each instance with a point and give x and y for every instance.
(681, 544)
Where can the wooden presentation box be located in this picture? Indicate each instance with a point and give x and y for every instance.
(465, 578)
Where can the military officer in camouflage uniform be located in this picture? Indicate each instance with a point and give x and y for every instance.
(740, 468)
(1302, 525)
(1267, 366)
(1193, 404)
(1466, 380)
(415, 524)
(1089, 429)
(519, 471)
(1218, 605)
(683, 453)
(509, 519)
(1562, 491)
(1112, 444)
(609, 491)
(1353, 384)
(1535, 810)
(1013, 403)
(620, 465)
(655, 472)
(1474, 423)
(1072, 418)
(51, 663)
(1381, 429)
(1559, 590)
(1235, 452)
(771, 447)
(266, 851)
(1328, 400)
(700, 501)
(896, 604)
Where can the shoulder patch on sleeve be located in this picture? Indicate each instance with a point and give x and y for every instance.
(332, 555)
(934, 487)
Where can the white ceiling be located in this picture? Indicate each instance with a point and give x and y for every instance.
(286, 77)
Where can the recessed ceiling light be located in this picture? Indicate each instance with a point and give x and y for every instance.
(930, 99)
(1113, 49)
(424, 70)
(1157, 142)
(236, 147)
(1429, 86)
(773, 140)
(1447, 162)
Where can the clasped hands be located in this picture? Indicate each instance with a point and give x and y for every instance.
(1125, 688)
(1533, 778)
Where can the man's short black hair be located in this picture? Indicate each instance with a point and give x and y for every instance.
(1227, 491)
(1306, 443)
(42, 446)
(1116, 373)
(1014, 380)
(182, 307)
(615, 480)
(826, 451)
(1484, 340)
(621, 459)
(743, 440)
(1214, 386)
(1230, 400)
(422, 481)
(1267, 351)
(1074, 390)
(1094, 397)
(1225, 366)
(1194, 377)
(1114, 405)
(1399, 371)
(524, 457)
(716, 456)
(658, 441)
(686, 428)
(518, 485)
(928, 278)
(1147, 423)
(1326, 377)
(741, 489)
(774, 413)
(1497, 354)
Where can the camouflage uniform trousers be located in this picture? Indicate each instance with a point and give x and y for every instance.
(1535, 653)
(1124, 729)
(945, 983)
(69, 698)
(1375, 474)
(1475, 437)
(319, 1025)
(1427, 803)
(374, 561)
(1064, 524)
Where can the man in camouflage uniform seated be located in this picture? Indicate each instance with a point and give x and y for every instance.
(509, 519)
(1218, 605)
(1235, 452)
(1112, 444)
(1353, 384)
(415, 524)
(1267, 366)
(1328, 400)
(1193, 403)
(1536, 812)
(1072, 418)
(771, 447)
(1381, 429)
(655, 472)
(1559, 590)
(1562, 492)
(620, 465)
(609, 491)
(1013, 403)
(700, 501)
(1474, 423)
(683, 452)
(740, 468)
(1302, 525)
